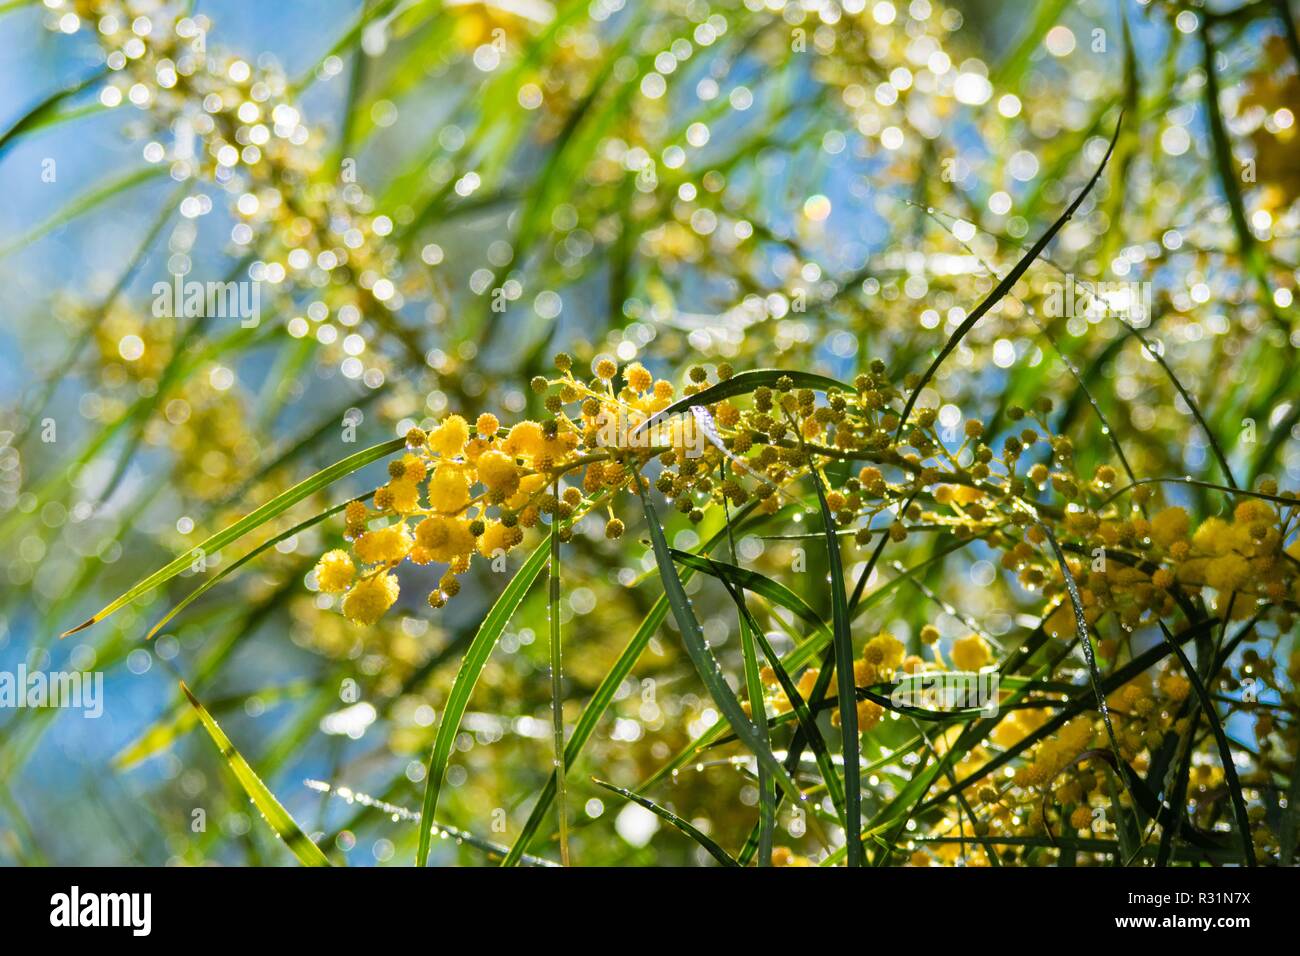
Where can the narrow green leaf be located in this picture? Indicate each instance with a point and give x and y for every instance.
(586, 725)
(83, 204)
(848, 701)
(46, 111)
(234, 566)
(754, 581)
(285, 827)
(466, 677)
(740, 384)
(180, 720)
(276, 506)
(813, 733)
(557, 695)
(601, 699)
(705, 663)
(715, 851)
(1230, 777)
(1007, 283)
(1085, 638)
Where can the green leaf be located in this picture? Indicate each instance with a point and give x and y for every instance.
(807, 722)
(1085, 639)
(715, 851)
(47, 112)
(466, 677)
(1008, 282)
(273, 508)
(754, 581)
(741, 384)
(233, 566)
(1230, 777)
(848, 701)
(285, 827)
(586, 725)
(698, 651)
(557, 696)
(180, 720)
(83, 204)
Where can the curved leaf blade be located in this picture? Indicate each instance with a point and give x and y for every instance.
(284, 825)
(463, 685)
(276, 506)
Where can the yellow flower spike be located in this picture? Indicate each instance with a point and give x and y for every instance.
(370, 598)
(335, 571)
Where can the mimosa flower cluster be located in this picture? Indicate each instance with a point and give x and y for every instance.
(467, 489)
(477, 488)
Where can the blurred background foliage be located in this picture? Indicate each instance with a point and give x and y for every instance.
(442, 195)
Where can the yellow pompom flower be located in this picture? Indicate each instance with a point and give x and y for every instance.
(1169, 526)
(1252, 510)
(1227, 573)
(487, 425)
(404, 495)
(444, 539)
(370, 598)
(498, 473)
(1175, 686)
(884, 651)
(528, 486)
(1213, 536)
(448, 488)
(525, 440)
(413, 468)
(638, 379)
(970, 653)
(497, 539)
(384, 545)
(449, 438)
(335, 571)
(869, 714)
